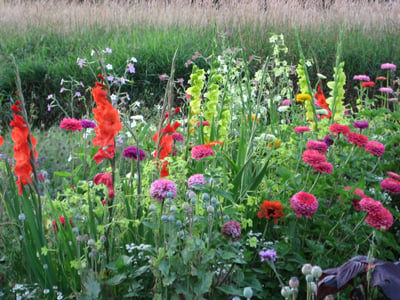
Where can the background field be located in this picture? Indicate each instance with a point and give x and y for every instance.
(47, 37)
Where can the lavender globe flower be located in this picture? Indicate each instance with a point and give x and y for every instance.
(162, 189)
(361, 124)
(231, 230)
(267, 255)
(88, 123)
(132, 152)
(196, 179)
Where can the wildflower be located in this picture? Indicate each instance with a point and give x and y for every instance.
(106, 179)
(391, 185)
(196, 179)
(386, 90)
(178, 137)
(62, 221)
(201, 151)
(361, 124)
(267, 255)
(162, 189)
(131, 68)
(231, 230)
(357, 139)
(388, 66)
(107, 117)
(367, 84)
(301, 129)
(286, 102)
(381, 219)
(271, 210)
(313, 157)
(323, 167)
(393, 175)
(163, 77)
(328, 139)
(337, 128)
(204, 123)
(380, 78)
(303, 97)
(85, 123)
(304, 204)
(134, 152)
(375, 148)
(361, 77)
(80, 62)
(108, 50)
(71, 124)
(317, 145)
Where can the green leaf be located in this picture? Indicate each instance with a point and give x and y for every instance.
(230, 290)
(62, 174)
(117, 279)
(92, 287)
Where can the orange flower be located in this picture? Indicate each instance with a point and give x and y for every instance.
(322, 102)
(22, 152)
(271, 210)
(107, 153)
(107, 117)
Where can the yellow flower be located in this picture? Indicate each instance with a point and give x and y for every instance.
(253, 117)
(303, 97)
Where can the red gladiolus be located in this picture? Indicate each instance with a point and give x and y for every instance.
(105, 178)
(22, 152)
(62, 221)
(322, 102)
(107, 153)
(271, 210)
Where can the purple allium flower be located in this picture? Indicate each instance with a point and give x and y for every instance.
(361, 77)
(269, 254)
(87, 123)
(231, 230)
(361, 124)
(388, 66)
(178, 137)
(386, 90)
(132, 152)
(196, 179)
(162, 189)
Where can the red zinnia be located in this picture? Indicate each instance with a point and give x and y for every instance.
(71, 124)
(367, 84)
(337, 128)
(357, 139)
(271, 210)
(323, 167)
(375, 148)
(313, 157)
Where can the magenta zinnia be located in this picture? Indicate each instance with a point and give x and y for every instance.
(391, 185)
(357, 139)
(313, 157)
(71, 124)
(317, 145)
(304, 204)
(337, 128)
(301, 129)
(381, 220)
(134, 152)
(201, 151)
(375, 148)
(323, 167)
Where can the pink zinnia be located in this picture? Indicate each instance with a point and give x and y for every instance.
(388, 66)
(196, 179)
(324, 167)
(313, 157)
(361, 77)
(204, 123)
(301, 129)
(337, 128)
(71, 124)
(375, 148)
(357, 139)
(178, 137)
(201, 151)
(370, 205)
(304, 204)
(391, 185)
(357, 191)
(286, 102)
(393, 175)
(317, 145)
(386, 90)
(381, 220)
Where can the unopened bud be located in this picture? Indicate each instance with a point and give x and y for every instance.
(286, 292)
(248, 292)
(306, 269)
(316, 271)
(294, 282)
(309, 278)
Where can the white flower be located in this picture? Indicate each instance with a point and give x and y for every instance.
(109, 67)
(133, 59)
(322, 111)
(92, 53)
(283, 108)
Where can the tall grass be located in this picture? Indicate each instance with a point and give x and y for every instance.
(46, 37)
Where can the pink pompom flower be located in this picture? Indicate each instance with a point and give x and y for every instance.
(304, 204)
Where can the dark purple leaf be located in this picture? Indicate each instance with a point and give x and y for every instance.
(387, 276)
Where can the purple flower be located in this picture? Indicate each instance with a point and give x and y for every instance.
(231, 230)
(131, 68)
(269, 254)
(162, 189)
(132, 152)
(78, 94)
(80, 62)
(388, 66)
(196, 179)
(181, 80)
(178, 137)
(88, 123)
(286, 102)
(361, 77)
(48, 107)
(328, 139)
(163, 77)
(108, 50)
(361, 124)
(387, 90)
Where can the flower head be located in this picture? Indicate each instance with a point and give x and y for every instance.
(367, 84)
(134, 152)
(286, 102)
(313, 157)
(361, 124)
(370, 205)
(375, 148)
(106, 179)
(394, 175)
(303, 97)
(304, 204)
(391, 185)
(231, 230)
(386, 90)
(361, 77)
(201, 151)
(328, 139)
(204, 123)
(323, 167)
(267, 255)
(71, 124)
(196, 179)
(62, 221)
(88, 123)
(178, 137)
(337, 128)
(271, 210)
(388, 66)
(162, 189)
(301, 129)
(357, 139)
(381, 220)
(321, 147)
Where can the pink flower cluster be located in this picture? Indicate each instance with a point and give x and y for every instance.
(304, 204)
(315, 159)
(391, 185)
(378, 216)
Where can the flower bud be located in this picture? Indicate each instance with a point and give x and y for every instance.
(164, 218)
(170, 195)
(173, 208)
(179, 223)
(152, 207)
(286, 292)
(248, 292)
(21, 217)
(316, 271)
(206, 197)
(210, 209)
(309, 278)
(306, 269)
(294, 282)
(313, 286)
(171, 218)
